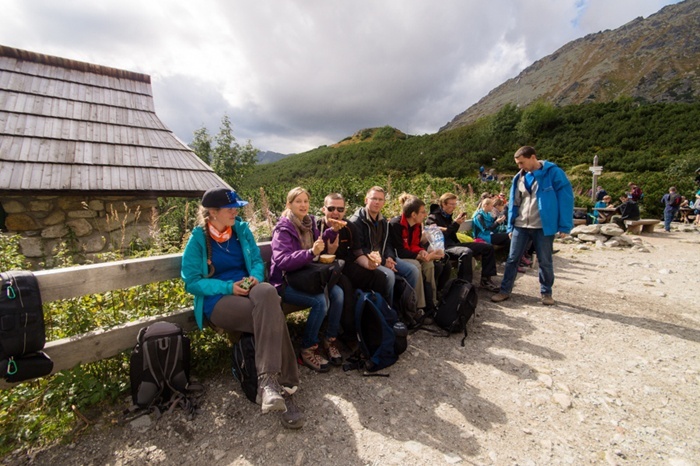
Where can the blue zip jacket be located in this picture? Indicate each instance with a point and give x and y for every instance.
(555, 199)
(195, 269)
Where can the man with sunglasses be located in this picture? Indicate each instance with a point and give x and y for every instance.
(354, 276)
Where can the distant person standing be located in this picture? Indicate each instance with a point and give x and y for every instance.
(541, 206)
(672, 202)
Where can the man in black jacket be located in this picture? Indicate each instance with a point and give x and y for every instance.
(628, 210)
(441, 215)
(372, 247)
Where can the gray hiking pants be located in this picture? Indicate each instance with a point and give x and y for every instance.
(260, 313)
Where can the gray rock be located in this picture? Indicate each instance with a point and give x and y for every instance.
(611, 230)
(591, 238)
(585, 229)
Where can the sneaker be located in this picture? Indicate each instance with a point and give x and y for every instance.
(310, 358)
(269, 394)
(293, 417)
(525, 261)
(521, 269)
(547, 300)
(332, 351)
(487, 284)
(497, 298)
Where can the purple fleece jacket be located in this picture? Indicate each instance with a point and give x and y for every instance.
(287, 253)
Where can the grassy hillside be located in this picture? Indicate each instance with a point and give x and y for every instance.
(654, 144)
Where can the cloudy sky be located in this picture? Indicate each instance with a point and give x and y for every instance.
(296, 74)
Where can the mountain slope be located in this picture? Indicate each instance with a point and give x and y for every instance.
(652, 60)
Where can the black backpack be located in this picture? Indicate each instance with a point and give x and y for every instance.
(160, 368)
(380, 334)
(406, 302)
(457, 306)
(22, 331)
(243, 365)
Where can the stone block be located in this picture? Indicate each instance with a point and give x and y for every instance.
(21, 222)
(80, 227)
(71, 203)
(40, 206)
(13, 207)
(55, 231)
(54, 218)
(94, 243)
(31, 247)
(85, 213)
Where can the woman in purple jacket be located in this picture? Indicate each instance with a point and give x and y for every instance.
(295, 243)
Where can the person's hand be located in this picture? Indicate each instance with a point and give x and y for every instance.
(437, 254)
(423, 256)
(332, 246)
(500, 219)
(390, 264)
(318, 247)
(562, 235)
(238, 290)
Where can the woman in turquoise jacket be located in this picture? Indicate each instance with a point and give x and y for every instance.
(223, 269)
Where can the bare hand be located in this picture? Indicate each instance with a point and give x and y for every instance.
(332, 246)
(318, 247)
(238, 290)
(390, 264)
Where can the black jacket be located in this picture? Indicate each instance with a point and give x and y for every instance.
(363, 230)
(438, 217)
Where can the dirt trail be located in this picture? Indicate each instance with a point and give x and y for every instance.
(609, 375)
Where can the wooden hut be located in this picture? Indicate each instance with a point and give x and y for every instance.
(83, 155)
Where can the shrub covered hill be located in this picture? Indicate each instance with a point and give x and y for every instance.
(630, 95)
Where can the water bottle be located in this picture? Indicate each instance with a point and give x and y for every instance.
(435, 238)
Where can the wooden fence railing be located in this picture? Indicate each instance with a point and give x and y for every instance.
(72, 282)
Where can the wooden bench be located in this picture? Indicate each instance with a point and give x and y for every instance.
(74, 282)
(645, 225)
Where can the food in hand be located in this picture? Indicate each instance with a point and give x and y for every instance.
(246, 283)
(375, 257)
(339, 224)
(326, 258)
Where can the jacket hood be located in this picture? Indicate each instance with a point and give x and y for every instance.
(435, 208)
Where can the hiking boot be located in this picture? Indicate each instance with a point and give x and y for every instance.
(293, 417)
(269, 394)
(310, 358)
(332, 351)
(524, 261)
(487, 284)
(522, 269)
(547, 300)
(497, 298)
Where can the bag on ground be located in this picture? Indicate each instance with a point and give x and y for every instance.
(243, 365)
(22, 331)
(380, 334)
(457, 306)
(160, 367)
(406, 302)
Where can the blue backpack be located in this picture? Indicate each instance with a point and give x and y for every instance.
(380, 334)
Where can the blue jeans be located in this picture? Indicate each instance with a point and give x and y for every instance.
(317, 303)
(543, 248)
(407, 270)
(669, 215)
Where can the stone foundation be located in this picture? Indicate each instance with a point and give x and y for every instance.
(86, 225)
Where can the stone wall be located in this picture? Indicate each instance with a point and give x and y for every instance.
(86, 225)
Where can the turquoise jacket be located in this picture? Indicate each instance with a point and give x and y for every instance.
(195, 269)
(555, 199)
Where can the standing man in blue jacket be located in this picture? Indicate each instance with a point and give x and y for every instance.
(541, 207)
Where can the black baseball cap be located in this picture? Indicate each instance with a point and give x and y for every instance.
(222, 198)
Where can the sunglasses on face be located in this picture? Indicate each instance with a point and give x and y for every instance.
(331, 208)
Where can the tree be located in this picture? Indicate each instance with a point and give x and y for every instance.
(201, 145)
(230, 160)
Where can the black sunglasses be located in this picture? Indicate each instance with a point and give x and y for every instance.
(332, 208)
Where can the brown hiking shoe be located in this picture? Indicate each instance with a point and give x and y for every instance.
(498, 297)
(310, 358)
(547, 300)
(332, 351)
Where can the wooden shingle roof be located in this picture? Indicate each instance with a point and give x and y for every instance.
(70, 127)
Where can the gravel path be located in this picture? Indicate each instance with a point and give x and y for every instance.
(609, 375)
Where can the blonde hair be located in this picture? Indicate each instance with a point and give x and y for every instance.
(296, 192)
(446, 197)
(486, 201)
(203, 215)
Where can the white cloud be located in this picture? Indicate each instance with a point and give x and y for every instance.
(293, 75)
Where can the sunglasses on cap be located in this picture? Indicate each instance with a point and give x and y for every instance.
(332, 208)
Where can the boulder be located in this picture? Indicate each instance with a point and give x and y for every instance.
(585, 229)
(592, 238)
(611, 230)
